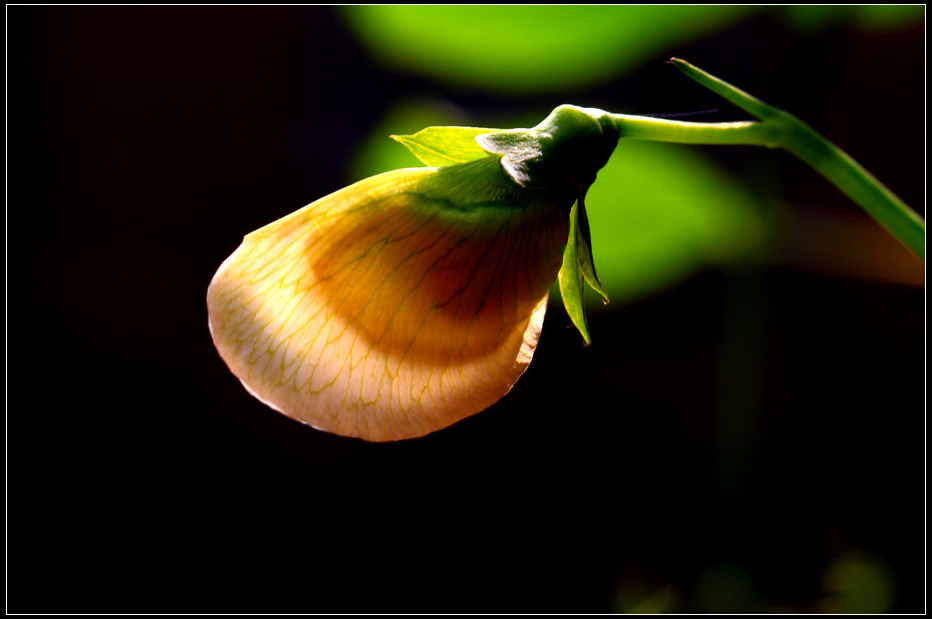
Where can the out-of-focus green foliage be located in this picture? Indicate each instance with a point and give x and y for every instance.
(523, 49)
(657, 212)
(637, 598)
(532, 49)
(853, 583)
(725, 588)
(858, 583)
(872, 17)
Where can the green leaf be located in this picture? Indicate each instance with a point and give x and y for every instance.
(868, 17)
(442, 146)
(524, 49)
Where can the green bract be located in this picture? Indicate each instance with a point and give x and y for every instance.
(442, 146)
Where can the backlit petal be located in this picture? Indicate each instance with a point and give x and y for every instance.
(394, 307)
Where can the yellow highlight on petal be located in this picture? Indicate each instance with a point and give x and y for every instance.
(394, 307)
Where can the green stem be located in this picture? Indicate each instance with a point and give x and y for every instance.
(781, 130)
(661, 130)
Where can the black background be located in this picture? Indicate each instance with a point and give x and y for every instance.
(144, 142)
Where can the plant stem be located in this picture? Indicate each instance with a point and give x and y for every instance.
(781, 130)
(662, 130)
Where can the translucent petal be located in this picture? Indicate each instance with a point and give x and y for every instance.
(394, 307)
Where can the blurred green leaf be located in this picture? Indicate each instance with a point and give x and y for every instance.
(658, 212)
(529, 48)
(888, 16)
(661, 602)
(874, 17)
(858, 583)
(725, 588)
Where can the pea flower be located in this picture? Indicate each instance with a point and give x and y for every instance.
(413, 299)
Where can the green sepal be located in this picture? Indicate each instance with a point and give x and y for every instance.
(570, 145)
(578, 267)
(585, 248)
(443, 146)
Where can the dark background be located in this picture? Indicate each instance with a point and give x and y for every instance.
(769, 417)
